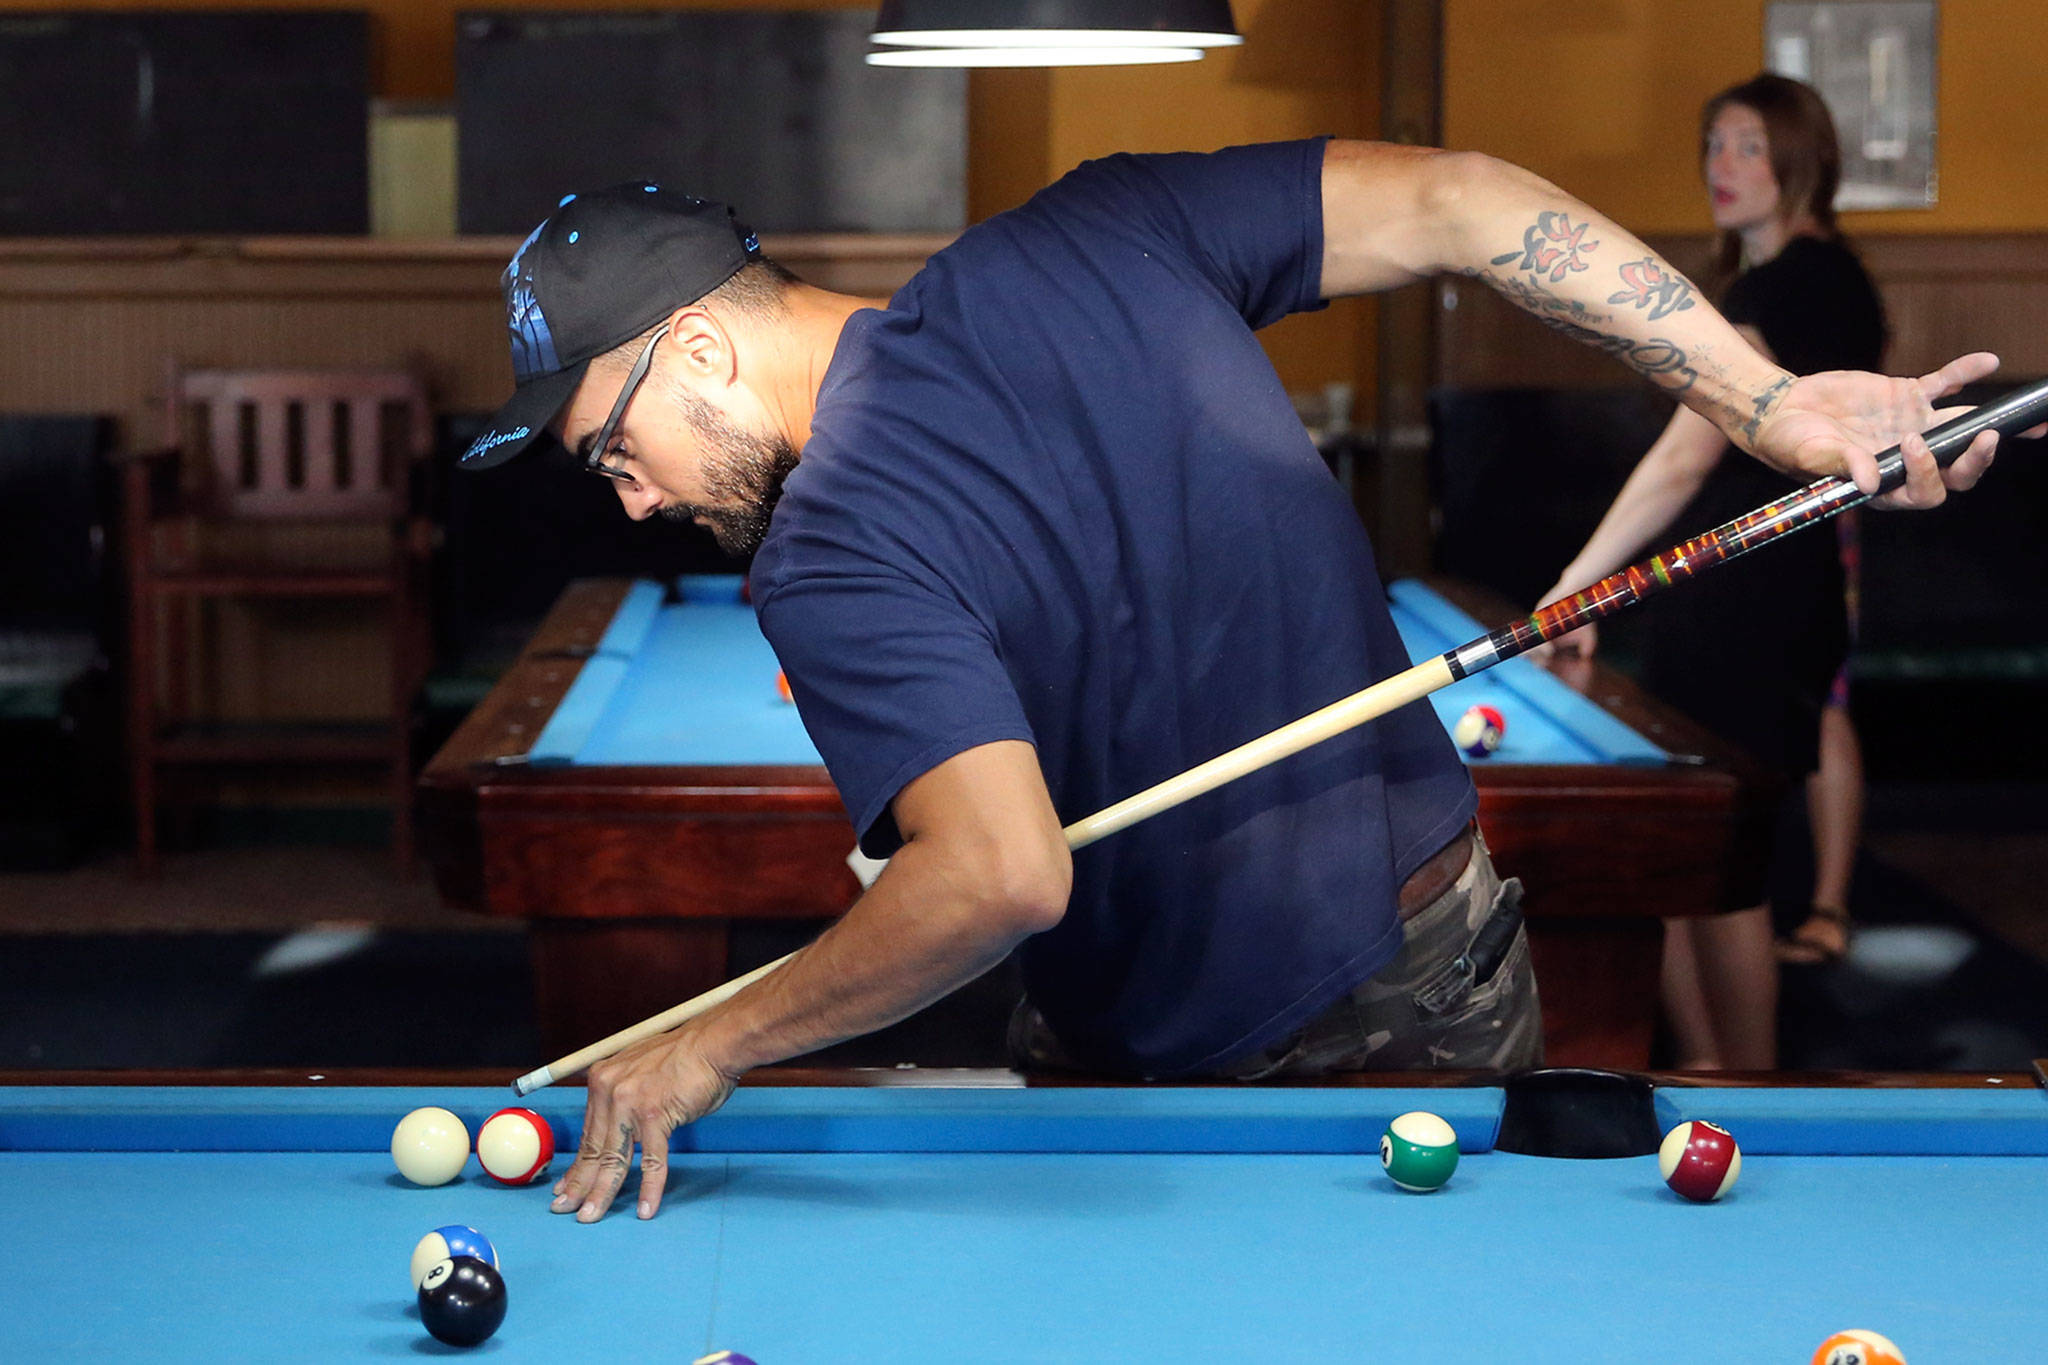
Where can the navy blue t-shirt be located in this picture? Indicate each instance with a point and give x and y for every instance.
(1056, 493)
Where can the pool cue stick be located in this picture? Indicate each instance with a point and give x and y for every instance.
(1816, 502)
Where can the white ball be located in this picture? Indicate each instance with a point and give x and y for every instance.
(430, 1146)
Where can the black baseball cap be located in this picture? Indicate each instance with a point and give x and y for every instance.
(603, 269)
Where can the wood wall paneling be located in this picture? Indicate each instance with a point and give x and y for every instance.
(106, 316)
(96, 321)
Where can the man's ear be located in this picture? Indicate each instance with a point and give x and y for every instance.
(703, 345)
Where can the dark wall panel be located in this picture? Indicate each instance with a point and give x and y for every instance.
(775, 113)
(194, 122)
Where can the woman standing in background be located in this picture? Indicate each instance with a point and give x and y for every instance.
(1757, 653)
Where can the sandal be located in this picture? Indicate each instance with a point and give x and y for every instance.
(1813, 944)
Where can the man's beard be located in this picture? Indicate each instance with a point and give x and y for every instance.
(743, 473)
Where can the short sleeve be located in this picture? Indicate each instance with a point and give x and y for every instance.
(892, 679)
(1249, 219)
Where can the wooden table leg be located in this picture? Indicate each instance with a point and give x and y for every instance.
(593, 977)
(1598, 979)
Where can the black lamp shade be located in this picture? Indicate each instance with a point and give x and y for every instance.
(1206, 17)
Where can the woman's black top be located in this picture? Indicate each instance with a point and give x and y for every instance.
(1750, 649)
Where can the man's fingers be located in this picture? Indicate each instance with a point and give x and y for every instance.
(612, 1166)
(1927, 483)
(1968, 467)
(597, 1122)
(653, 1164)
(1923, 486)
(1967, 369)
(1861, 467)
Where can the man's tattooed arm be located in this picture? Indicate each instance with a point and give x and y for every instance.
(1542, 277)
(1651, 284)
(1660, 360)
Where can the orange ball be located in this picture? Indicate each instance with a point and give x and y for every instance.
(782, 687)
(1858, 1347)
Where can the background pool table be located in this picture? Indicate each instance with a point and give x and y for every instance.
(635, 783)
(820, 1225)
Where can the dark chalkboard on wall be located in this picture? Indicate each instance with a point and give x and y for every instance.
(775, 112)
(241, 122)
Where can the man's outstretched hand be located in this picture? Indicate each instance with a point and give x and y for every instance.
(1839, 421)
(642, 1094)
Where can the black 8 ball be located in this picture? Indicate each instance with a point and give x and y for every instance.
(462, 1300)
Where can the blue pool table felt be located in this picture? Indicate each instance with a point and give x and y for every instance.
(693, 682)
(1031, 1226)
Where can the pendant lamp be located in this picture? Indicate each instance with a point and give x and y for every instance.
(1049, 32)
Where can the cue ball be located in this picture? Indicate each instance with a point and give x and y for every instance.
(1479, 731)
(1699, 1161)
(446, 1243)
(430, 1146)
(515, 1146)
(1419, 1151)
(462, 1300)
(1858, 1347)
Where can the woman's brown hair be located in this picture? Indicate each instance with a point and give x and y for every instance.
(1806, 158)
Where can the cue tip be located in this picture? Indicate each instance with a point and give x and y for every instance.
(532, 1081)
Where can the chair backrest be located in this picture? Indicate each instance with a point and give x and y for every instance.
(301, 444)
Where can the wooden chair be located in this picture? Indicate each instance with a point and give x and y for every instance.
(260, 464)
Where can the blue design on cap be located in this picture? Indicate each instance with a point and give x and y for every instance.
(533, 341)
(573, 236)
(491, 440)
(565, 201)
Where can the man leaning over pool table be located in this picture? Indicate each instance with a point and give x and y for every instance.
(1043, 530)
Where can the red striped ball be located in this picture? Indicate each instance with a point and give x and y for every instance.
(1699, 1161)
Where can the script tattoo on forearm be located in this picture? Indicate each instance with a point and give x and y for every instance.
(1663, 362)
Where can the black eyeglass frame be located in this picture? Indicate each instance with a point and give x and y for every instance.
(594, 461)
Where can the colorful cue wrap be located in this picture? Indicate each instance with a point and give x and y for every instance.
(1819, 500)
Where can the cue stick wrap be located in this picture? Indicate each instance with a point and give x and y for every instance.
(1817, 501)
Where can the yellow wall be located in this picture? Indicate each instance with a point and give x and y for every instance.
(1307, 67)
(1603, 97)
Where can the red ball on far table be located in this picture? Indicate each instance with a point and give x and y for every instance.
(1479, 731)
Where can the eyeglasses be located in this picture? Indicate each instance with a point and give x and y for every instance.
(595, 460)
